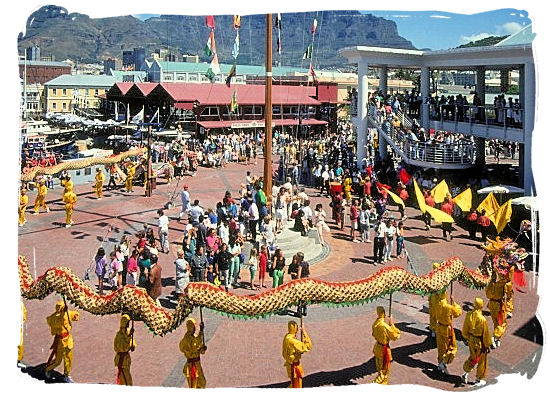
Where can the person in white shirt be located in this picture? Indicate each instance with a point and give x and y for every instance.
(223, 232)
(379, 240)
(185, 200)
(253, 217)
(320, 216)
(163, 231)
(390, 237)
(195, 211)
(364, 221)
(325, 178)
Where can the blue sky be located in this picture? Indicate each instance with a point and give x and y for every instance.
(443, 30)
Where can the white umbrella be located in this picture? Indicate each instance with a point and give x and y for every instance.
(529, 202)
(500, 189)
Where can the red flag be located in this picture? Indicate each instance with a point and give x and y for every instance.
(369, 170)
(381, 186)
(519, 279)
(404, 176)
(210, 22)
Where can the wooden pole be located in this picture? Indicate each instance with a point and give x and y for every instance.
(389, 315)
(268, 111)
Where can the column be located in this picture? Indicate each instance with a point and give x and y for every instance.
(480, 83)
(425, 94)
(362, 111)
(383, 80)
(528, 105)
(504, 80)
(382, 147)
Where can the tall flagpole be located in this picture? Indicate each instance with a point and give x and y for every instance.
(268, 111)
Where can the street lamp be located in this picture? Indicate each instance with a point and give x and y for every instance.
(149, 173)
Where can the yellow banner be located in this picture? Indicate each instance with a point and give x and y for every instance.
(440, 191)
(503, 215)
(395, 198)
(419, 197)
(464, 200)
(438, 215)
(490, 205)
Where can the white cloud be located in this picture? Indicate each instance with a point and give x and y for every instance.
(400, 16)
(473, 37)
(509, 28)
(440, 16)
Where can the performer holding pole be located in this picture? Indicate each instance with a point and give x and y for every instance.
(496, 293)
(23, 202)
(292, 352)
(124, 343)
(445, 334)
(476, 332)
(99, 180)
(433, 301)
(62, 346)
(383, 334)
(192, 346)
(69, 198)
(41, 198)
(20, 348)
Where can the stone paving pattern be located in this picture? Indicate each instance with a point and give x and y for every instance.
(248, 353)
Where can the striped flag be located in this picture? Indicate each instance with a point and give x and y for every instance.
(210, 22)
(314, 27)
(278, 21)
(236, 46)
(308, 52)
(234, 105)
(232, 73)
(214, 69)
(210, 47)
(312, 72)
(236, 22)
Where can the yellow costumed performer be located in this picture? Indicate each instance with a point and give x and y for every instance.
(130, 176)
(68, 184)
(62, 346)
(123, 344)
(445, 334)
(383, 334)
(20, 349)
(496, 292)
(476, 332)
(69, 198)
(41, 198)
(509, 291)
(292, 351)
(99, 180)
(433, 301)
(23, 202)
(347, 188)
(192, 346)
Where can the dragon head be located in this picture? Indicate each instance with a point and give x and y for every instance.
(504, 255)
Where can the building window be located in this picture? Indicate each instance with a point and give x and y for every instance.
(54, 106)
(181, 78)
(87, 171)
(97, 92)
(77, 172)
(64, 106)
(168, 78)
(193, 77)
(238, 80)
(54, 91)
(64, 92)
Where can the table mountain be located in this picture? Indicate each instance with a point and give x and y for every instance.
(81, 38)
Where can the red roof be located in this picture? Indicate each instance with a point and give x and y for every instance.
(216, 94)
(124, 86)
(146, 87)
(260, 123)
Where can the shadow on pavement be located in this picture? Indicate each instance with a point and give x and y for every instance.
(37, 372)
(531, 330)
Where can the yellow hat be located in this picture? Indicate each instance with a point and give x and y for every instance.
(59, 306)
(478, 303)
(190, 324)
(124, 320)
(292, 327)
(380, 311)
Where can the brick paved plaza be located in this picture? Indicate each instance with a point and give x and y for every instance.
(248, 353)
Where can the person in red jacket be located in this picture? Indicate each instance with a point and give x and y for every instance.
(262, 264)
(471, 219)
(447, 208)
(428, 198)
(484, 224)
(404, 195)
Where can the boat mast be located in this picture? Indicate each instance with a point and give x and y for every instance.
(268, 112)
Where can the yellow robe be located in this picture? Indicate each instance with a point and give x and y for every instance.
(68, 186)
(383, 334)
(69, 199)
(23, 202)
(99, 180)
(445, 335)
(41, 199)
(130, 178)
(347, 189)
(192, 346)
(60, 326)
(509, 291)
(292, 352)
(495, 291)
(476, 332)
(433, 301)
(122, 344)
(20, 348)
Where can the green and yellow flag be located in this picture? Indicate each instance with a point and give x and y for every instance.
(234, 105)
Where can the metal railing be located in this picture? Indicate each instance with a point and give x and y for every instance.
(432, 151)
(487, 115)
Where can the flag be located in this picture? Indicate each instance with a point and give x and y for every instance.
(419, 197)
(214, 68)
(314, 27)
(438, 215)
(308, 52)
(440, 191)
(279, 45)
(231, 74)
(210, 47)
(404, 176)
(464, 200)
(234, 105)
(139, 116)
(236, 46)
(278, 21)
(312, 72)
(490, 205)
(236, 22)
(503, 215)
(210, 22)
(396, 198)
